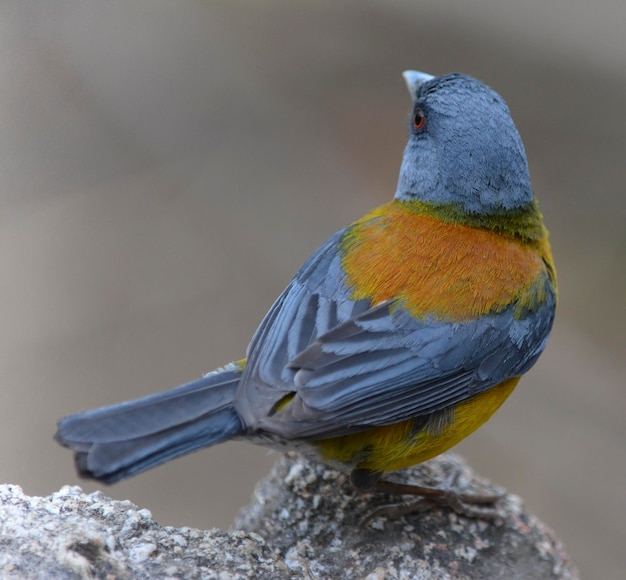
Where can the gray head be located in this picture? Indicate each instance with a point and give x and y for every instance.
(463, 149)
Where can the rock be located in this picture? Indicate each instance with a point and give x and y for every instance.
(304, 522)
(307, 513)
(71, 535)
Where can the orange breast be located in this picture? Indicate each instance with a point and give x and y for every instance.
(449, 271)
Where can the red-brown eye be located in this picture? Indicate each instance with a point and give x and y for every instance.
(419, 120)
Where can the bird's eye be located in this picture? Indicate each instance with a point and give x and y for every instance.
(419, 119)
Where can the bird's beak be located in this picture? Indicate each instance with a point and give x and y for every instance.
(414, 79)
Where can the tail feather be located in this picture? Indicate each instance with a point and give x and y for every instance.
(116, 442)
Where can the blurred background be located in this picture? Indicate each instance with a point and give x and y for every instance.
(165, 168)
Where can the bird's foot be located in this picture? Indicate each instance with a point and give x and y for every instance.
(469, 505)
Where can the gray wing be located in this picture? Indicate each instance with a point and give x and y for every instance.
(347, 365)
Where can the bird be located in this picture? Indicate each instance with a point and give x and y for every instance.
(399, 337)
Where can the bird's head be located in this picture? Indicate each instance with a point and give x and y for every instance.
(464, 150)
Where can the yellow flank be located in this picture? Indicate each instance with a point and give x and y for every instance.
(397, 446)
(450, 271)
(282, 403)
(240, 364)
(545, 251)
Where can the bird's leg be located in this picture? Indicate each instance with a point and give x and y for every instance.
(464, 504)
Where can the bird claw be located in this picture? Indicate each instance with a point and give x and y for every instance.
(463, 504)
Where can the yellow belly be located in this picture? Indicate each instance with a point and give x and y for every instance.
(397, 446)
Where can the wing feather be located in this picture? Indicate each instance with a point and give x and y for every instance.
(350, 364)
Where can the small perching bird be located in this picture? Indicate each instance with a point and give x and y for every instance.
(399, 336)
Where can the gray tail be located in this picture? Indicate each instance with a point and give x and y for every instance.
(116, 442)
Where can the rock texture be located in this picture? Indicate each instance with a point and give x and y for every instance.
(308, 514)
(70, 535)
(304, 522)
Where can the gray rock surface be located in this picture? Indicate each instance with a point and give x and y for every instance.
(304, 522)
(312, 520)
(70, 535)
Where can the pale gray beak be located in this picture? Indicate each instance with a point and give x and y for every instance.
(414, 79)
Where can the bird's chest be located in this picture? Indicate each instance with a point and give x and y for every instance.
(449, 271)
